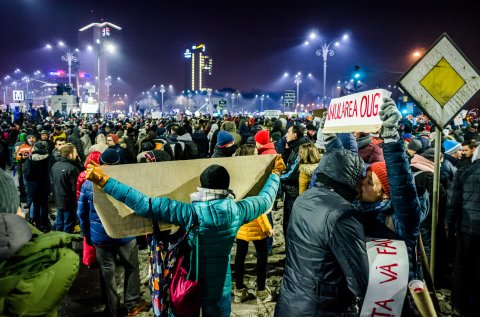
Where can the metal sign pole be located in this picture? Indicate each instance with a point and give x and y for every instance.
(436, 194)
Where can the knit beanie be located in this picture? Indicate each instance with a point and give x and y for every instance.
(224, 138)
(415, 145)
(380, 169)
(262, 137)
(215, 177)
(14, 234)
(429, 154)
(451, 146)
(40, 146)
(114, 137)
(9, 198)
(110, 156)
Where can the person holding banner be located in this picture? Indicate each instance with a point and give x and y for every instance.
(217, 215)
(391, 205)
(326, 270)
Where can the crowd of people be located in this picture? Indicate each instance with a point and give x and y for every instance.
(336, 191)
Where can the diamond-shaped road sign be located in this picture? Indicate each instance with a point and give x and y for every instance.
(442, 81)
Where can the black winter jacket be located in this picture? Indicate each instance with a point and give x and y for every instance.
(464, 200)
(64, 174)
(327, 264)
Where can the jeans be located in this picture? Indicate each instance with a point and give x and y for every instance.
(65, 220)
(128, 254)
(270, 239)
(262, 257)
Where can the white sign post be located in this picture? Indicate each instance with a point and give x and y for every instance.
(356, 112)
(18, 95)
(441, 83)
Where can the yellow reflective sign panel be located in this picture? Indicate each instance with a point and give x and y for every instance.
(442, 82)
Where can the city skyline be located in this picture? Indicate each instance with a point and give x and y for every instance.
(252, 44)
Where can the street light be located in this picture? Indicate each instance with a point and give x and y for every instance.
(69, 57)
(298, 81)
(162, 91)
(324, 52)
(262, 98)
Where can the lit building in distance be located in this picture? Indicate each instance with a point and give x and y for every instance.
(198, 68)
(96, 42)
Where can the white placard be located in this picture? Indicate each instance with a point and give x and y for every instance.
(156, 115)
(458, 120)
(388, 278)
(356, 112)
(89, 107)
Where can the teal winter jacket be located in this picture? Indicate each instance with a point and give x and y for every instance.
(218, 222)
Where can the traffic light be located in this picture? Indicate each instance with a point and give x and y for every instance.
(356, 72)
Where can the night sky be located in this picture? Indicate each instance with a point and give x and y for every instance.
(252, 43)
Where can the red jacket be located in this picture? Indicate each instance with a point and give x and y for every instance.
(94, 156)
(268, 148)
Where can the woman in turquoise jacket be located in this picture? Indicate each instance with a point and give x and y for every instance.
(217, 215)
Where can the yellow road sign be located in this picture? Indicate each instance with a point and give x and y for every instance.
(442, 81)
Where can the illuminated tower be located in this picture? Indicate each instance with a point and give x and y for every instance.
(198, 68)
(97, 43)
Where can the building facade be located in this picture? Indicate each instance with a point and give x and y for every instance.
(198, 68)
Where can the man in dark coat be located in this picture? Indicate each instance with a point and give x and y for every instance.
(289, 177)
(64, 174)
(463, 219)
(326, 269)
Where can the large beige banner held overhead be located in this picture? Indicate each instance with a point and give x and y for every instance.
(175, 180)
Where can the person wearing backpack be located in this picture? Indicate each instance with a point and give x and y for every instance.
(218, 216)
(190, 148)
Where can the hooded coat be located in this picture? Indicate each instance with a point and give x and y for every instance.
(327, 264)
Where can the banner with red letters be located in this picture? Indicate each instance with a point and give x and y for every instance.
(388, 279)
(356, 112)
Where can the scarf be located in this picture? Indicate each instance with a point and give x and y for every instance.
(421, 163)
(207, 194)
(378, 207)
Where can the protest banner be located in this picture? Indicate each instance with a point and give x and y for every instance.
(388, 278)
(356, 112)
(175, 180)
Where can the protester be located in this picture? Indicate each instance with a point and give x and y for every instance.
(37, 269)
(225, 146)
(64, 174)
(326, 268)
(389, 203)
(256, 231)
(217, 216)
(309, 156)
(38, 183)
(463, 220)
(290, 176)
(263, 144)
(107, 249)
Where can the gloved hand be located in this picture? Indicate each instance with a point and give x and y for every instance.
(95, 174)
(390, 116)
(327, 137)
(279, 165)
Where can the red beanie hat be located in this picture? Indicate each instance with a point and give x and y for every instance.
(114, 138)
(380, 169)
(262, 137)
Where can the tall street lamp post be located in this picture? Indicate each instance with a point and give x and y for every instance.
(324, 52)
(162, 91)
(69, 57)
(298, 81)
